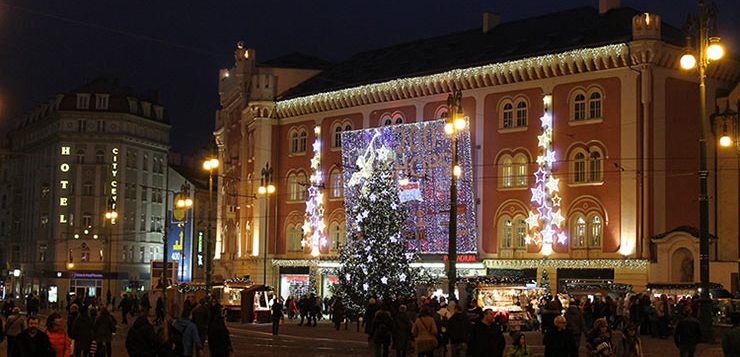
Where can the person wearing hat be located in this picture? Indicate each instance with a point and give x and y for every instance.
(631, 345)
(599, 334)
(519, 346)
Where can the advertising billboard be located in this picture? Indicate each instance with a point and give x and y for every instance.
(423, 165)
(180, 241)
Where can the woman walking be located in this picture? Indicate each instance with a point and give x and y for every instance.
(425, 332)
(58, 337)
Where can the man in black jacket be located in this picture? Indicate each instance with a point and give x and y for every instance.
(688, 334)
(142, 341)
(559, 341)
(32, 342)
(458, 328)
(488, 339)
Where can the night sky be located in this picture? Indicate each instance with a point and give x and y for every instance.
(177, 47)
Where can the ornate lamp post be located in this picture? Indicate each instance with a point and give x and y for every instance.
(209, 165)
(455, 122)
(266, 189)
(706, 50)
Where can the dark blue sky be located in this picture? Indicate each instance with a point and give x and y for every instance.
(177, 47)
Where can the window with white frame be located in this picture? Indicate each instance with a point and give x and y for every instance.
(507, 116)
(520, 170)
(507, 172)
(521, 113)
(521, 232)
(594, 105)
(302, 140)
(506, 232)
(101, 101)
(587, 166)
(337, 137)
(595, 167)
(587, 105)
(296, 187)
(587, 231)
(578, 234)
(595, 231)
(398, 119)
(83, 101)
(513, 171)
(335, 183)
(579, 167)
(337, 235)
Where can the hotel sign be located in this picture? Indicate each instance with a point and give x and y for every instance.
(64, 189)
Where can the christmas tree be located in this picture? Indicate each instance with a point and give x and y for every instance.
(545, 282)
(375, 262)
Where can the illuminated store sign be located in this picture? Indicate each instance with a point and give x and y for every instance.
(114, 181)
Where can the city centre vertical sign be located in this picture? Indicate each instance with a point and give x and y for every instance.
(114, 182)
(64, 188)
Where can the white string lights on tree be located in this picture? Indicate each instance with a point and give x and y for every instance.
(313, 224)
(546, 219)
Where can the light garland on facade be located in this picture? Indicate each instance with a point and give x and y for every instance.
(633, 264)
(568, 62)
(314, 224)
(545, 223)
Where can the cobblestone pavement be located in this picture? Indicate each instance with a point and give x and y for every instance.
(324, 341)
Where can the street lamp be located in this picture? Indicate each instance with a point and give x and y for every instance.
(209, 165)
(182, 204)
(110, 219)
(707, 49)
(266, 188)
(456, 121)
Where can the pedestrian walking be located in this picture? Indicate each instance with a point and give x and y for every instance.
(291, 306)
(277, 316)
(16, 324)
(74, 312)
(141, 340)
(487, 338)
(201, 314)
(687, 334)
(425, 333)
(458, 330)
(575, 321)
(160, 309)
(32, 342)
(82, 333)
(559, 340)
(187, 306)
(125, 307)
(401, 331)
(303, 308)
(631, 345)
(58, 337)
(104, 327)
(219, 342)
(185, 330)
(367, 320)
(381, 331)
(519, 346)
(338, 312)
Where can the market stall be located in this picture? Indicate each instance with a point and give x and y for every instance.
(512, 298)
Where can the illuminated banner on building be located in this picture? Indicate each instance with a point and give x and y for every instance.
(179, 242)
(64, 186)
(114, 182)
(200, 249)
(423, 159)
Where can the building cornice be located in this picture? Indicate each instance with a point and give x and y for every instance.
(546, 66)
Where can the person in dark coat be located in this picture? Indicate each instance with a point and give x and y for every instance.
(141, 340)
(731, 338)
(187, 306)
(367, 319)
(574, 318)
(277, 316)
(487, 339)
(219, 342)
(201, 318)
(381, 331)
(559, 341)
(458, 329)
(104, 328)
(687, 334)
(401, 332)
(338, 312)
(74, 312)
(125, 306)
(32, 342)
(82, 333)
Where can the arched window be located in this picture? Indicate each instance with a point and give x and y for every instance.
(521, 232)
(579, 167)
(295, 236)
(296, 187)
(335, 183)
(594, 105)
(595, 231)
(507, 173)
(387, 122)
(521, 114)
(99, 157)
(293, 141)
(337, 136)
(347, 127)
(507, 233)
(399, 120)
(302, 140)
(80, 156)
(337, 235)
(579, 107)
(595, 167)
(578, 236)
(507, 116)
(520, 171)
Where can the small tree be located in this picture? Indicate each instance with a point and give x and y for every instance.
(545, 282)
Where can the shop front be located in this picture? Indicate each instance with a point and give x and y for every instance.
(83, 284)
(294, 281)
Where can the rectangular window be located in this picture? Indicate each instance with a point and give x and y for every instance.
(83, 101)
(123, 253)
(87, 189)
(507, 234)
(142, 254)
(42, 252)
(142, 223)
(131, 253)
(101, 101)
(101, 126)
(508, 119)
(521, 233)
(82, 125)
(86, 220)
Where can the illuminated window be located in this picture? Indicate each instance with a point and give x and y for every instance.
(521, 232)
(142, 254)
(507, 233)
(595, 231)
(521, 114)
(507, 171)
(578, 236)
(594, 167)
(335, 182)
(594, 105)
(42, 252)
(84, 252)
(579, 107)
(579, 167)
(302, 140)
(337, 235)
(520, 171)
(295, 236)
(337, 137)
(296, 187)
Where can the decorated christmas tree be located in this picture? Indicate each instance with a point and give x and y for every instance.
(545, 282)
(375, 262)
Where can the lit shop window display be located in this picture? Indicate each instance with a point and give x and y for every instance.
(515, 304)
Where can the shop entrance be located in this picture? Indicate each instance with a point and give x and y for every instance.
(293, 281)
(86, 287)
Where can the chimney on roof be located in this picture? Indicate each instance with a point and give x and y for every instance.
(490, 20)
(606, 5)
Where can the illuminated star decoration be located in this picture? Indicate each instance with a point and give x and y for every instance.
(314, 226)
(545, 227)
